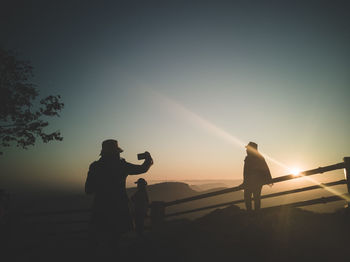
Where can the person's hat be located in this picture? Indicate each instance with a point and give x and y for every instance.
(110, 146)
(252, 145)
(141, 181)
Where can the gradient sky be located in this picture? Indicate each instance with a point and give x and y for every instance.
(189, 81)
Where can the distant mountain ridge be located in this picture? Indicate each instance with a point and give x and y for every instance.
(36, 201)
(203, 183)
(61, 200)
(167, 191)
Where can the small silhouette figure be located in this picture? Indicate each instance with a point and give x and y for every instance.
(111, 215)
(141, 201)
(256, 173)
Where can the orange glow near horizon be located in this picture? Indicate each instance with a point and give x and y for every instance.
(195, 118)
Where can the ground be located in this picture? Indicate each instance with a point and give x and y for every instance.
(277, 234)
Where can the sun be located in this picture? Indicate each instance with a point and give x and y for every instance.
(295, 171)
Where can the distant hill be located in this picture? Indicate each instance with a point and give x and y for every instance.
(167, 191)
(39, 201)
(208, 187)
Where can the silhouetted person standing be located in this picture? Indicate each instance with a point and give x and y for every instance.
(256, 173)
(110, 212)
(141, 202)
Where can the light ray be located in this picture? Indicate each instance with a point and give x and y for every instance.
(195, 118)
(329, 189)
(209, 126)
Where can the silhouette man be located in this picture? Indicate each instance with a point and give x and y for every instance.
(110, 212)
(256, 173)
(141, 202)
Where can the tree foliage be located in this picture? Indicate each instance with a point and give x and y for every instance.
(22, 120)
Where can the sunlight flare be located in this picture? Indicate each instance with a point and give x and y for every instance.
(329, 189)
(209, 126)
(295, 171)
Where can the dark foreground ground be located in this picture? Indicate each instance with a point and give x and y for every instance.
(229, 234)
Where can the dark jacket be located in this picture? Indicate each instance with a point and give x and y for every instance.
(256, 172)
(106, 180)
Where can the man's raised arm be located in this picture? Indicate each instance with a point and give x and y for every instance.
(133, 169)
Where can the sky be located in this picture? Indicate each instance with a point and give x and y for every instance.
(191, 82)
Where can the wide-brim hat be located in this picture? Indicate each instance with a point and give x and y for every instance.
(141, 181)
(252, 145)
(111, 146)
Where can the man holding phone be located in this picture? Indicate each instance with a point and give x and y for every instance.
(106, 181)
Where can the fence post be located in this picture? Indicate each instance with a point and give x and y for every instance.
(347, 172)
(5, 227)
(157, 213)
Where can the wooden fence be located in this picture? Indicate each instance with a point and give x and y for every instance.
(158, 208)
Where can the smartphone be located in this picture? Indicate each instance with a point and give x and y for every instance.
(141, 156)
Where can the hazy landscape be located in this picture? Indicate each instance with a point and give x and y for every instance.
(276, 234)
(40, 200)
(194, 96)
(31, 232)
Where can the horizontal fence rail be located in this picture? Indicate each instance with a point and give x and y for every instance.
(321, 200)
(319, 170)
(298, 190)
(158, 207)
